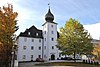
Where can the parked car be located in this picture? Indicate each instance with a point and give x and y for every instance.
(67, 58)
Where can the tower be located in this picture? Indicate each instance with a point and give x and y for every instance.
(50, 51)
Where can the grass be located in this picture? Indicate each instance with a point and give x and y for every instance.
(75, 64)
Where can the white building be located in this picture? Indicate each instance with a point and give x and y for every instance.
(35, 43)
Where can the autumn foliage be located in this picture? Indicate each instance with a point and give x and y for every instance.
(96, 51)
(8, 26)
(74, 39)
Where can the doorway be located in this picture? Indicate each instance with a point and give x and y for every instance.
(52, 57)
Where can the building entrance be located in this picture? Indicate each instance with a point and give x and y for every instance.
(52, 57)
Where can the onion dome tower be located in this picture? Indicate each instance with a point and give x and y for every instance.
(49, 17)
(50, 37)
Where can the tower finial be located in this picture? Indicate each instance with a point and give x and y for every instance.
(49, 17)
(49, 5)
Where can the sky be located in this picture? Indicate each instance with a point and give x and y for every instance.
(32, 12)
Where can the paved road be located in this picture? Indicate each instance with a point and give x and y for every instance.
(31, 64)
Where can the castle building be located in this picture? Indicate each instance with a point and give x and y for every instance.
(35, 43)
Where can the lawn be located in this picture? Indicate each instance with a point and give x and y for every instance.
(76, 64)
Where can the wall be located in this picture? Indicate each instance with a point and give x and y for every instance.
(28, 52)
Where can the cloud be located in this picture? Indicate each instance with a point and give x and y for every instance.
(94, 30)
(32, 13)
(26, 17)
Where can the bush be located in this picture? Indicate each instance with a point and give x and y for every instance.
(96, 63)
(67, 58)
(39, 60)
(57, 58)
(84, 61)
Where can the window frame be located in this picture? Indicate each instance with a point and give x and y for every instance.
(52, 26)
(37, 34)
(24, 56)
(24, 47)
(40, 40)
(52, 32)
(39, 56)
(45, 47)
(32, 47)
(29, 33)
(52, 47)
(52, 39)
(45, 39)
(31, 56)
(44, 32)
(32, 40)
(25, 39)
(39, 47)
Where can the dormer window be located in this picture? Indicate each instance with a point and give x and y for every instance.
(37, 34)
(28, 33)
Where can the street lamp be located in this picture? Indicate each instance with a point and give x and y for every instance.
(12, 62)
(13, 55)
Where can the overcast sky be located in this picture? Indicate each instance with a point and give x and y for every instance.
(32, 12)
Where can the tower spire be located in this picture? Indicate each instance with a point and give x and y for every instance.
(49, 5)
(49, 17)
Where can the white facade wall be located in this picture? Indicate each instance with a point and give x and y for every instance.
(48, 34)
(28, 52)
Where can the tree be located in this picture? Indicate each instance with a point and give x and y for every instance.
(8, 26)
(96, 51)
(74, 39)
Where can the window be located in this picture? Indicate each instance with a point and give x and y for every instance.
(39, 48)
(39, 56)
(24, 47)
(28, 33)
(32, 47)
(25, 39)
(51, 32)
(44, 56)
(24, 56)
(52, 39)
(31, 56)
(44, 47)
(51, 25)
(39, 40)
(59, 55)
(36, 34)
(32, 40)
(52, 47)
(45, 32)
(45, 39)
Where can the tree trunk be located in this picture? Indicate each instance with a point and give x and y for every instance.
(65, 55)
(74, 57)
